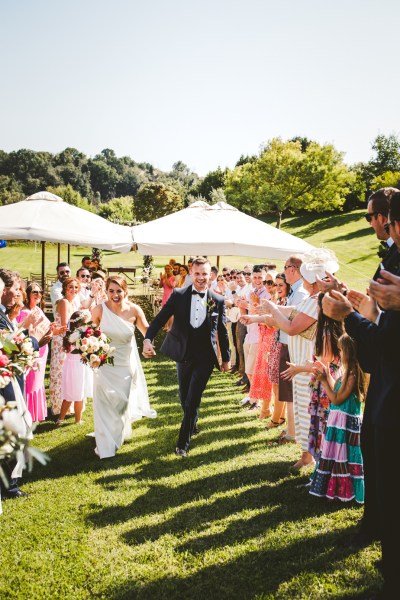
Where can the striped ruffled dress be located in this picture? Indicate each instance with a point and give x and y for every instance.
(339, 472)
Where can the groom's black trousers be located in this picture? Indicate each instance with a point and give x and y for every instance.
(193, 375)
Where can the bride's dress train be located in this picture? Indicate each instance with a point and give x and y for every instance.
(120, 391)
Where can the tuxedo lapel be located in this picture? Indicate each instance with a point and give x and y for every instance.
(6, 320)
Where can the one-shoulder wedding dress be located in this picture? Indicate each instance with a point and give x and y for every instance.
(120, 392)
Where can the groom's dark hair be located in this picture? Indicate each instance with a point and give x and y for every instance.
(200, 260)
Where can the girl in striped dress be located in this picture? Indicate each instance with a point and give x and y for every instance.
(339, 470)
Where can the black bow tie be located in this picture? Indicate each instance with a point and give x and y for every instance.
(201, 294)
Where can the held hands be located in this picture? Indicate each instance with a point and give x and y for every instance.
(148, 349)
(225, 366)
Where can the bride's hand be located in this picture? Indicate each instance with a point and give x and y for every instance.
(148, 349)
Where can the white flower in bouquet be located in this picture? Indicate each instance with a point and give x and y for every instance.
(74, 337)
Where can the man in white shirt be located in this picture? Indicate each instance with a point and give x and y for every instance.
(188, 278)
(296, 296)
(63, 272)
(243, 279)
(213, 278)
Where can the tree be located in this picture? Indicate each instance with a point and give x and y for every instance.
(284, 178)
(71, 196)
(387, 150)
(217, 195)
(10, 190)
(118, 210)
(104, 178)
(212, 181)
(156, 200)
(72, 167)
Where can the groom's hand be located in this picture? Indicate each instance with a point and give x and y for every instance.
(226, 366)
(148, 349)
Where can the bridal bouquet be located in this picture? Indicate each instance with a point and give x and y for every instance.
(93, 345)
(16, 355)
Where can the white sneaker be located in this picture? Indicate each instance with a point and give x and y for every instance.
(244, 401)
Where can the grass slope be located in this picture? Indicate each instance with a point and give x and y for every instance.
(347, 234)
(231, 521)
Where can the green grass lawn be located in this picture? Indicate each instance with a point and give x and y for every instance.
(347, 234)
(231, 521)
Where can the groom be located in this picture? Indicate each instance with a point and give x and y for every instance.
(199, 315)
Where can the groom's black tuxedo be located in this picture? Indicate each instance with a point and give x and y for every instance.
(193, 349)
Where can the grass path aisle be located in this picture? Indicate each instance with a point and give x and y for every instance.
(228, 522)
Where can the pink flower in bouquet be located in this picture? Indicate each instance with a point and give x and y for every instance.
(4, 360)
(89, 331)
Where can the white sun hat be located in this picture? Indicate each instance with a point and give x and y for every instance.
(317, 262)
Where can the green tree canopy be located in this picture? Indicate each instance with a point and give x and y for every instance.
(156, 200)
(118, 210)
(287, 178)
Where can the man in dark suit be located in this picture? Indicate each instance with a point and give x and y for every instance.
(379, 337)
(199, 316)
(377, 217)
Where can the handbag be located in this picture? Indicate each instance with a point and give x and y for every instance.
(309, 333)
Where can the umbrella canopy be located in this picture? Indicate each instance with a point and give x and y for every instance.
(46, 217)
(219, 229)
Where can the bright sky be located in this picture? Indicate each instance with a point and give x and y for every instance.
(201, 81)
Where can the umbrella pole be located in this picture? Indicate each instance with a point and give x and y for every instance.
(43, 264)
(58, 254)
(69, 254)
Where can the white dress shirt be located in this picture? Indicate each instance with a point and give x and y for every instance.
(198, 309)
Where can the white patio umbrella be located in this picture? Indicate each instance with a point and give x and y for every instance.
(46, 217)
(219, 229)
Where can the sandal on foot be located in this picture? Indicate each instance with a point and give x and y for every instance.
(286, 439)
(272, 424)
(60, 422)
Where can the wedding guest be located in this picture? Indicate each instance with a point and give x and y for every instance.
(339, 471)
(250, 345)
(261, 386)
(85, 278)
(183, 274)
(77, 378)
(63, 272)
(34, 319)
(278, 415)
(64, 309)
(188, 279)
(175, 269)
(167, 283)
(96, 265)
(241, 329)
(213, 278)
(86, 262)
(377, 217)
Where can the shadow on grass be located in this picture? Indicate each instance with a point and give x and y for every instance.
(245, 576)
(326, 221)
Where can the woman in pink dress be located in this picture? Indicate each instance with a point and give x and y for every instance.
(33, 318)
(167, 282)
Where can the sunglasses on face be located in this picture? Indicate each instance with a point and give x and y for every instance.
(387, 225)
(369, 216)
(269, 282)
(86, 276)
(36, 292)
(246, 273)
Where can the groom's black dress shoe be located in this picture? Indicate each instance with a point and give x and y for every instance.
(195, 431)
(10, 495)
(181, 452)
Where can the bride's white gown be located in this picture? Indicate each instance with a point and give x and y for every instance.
(120, 392)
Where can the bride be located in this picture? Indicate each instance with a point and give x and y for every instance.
(120, 391)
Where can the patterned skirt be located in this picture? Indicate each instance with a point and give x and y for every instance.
(339, 472)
